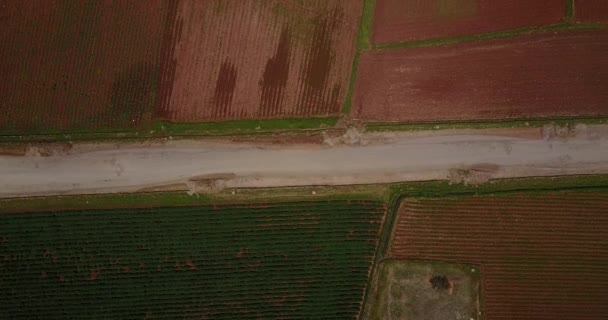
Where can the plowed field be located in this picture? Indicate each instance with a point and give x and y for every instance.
(72, 65)
(305, 260)
(249, 59)
(591, 10)
(407, 20)
(541, 256)
(75, 64)
(562, 74)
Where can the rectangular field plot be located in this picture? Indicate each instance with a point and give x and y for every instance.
(513, 78)
(407, 20)
(541, 256)
(79, 65)
(303, 260)
(251, 59)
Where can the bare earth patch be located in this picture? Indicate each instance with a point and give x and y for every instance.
(416, 290)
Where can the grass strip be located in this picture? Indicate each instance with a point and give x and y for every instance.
(164, 129)
(363, 43)
(486, 124)
(490, 35)
(570, 11)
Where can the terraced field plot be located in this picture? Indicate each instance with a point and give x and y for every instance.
(542, 256)
(305, 260)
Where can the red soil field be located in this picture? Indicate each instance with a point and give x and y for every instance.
(250, 59)
(75, 64)
(591, 10)
(541, 256)
(532, 76)
(407, 20)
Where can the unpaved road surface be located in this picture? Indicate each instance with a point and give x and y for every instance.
(463, 156)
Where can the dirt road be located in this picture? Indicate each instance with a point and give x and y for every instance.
(469, 156)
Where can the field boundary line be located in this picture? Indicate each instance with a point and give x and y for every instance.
(484, 124)
(363, 43)
(570, 10)
(165, 129)
(488, 36)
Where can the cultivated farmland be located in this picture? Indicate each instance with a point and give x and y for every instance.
(541, 256)
(591, 10)
(76, 65)
(301, 260)
(541, 75)
(251, 59)
(79, 65)
(407, 20)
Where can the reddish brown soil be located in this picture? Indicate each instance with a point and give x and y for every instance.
(541, 75)
(407, 20)
(251, 59)
(74, 64)
(541, 256)
(591, 10)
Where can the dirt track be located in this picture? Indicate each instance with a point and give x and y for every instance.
(353, 159)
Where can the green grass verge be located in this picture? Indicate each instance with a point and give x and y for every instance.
(244, 126)
(490, 35)
(163, 129)
(502, 186)
(485, 124)
(570, 10)
(389, 193)
(365, 29)
(348, 103)
(181, 198)
(363, 43)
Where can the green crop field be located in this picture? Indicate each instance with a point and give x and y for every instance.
(298, 260)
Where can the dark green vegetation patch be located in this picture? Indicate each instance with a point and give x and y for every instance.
(302, 260)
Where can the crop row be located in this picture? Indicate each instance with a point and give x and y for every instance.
(298, 260)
